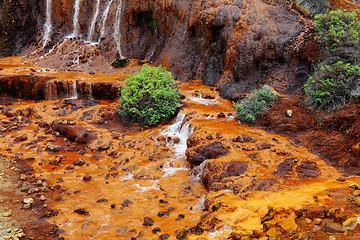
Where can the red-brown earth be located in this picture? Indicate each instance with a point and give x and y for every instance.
(106, 180)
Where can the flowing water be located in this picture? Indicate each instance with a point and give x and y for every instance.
(93, 22)
(104, 18)
(117, 30)
(47, 25)
(76, 31)
(131, 174)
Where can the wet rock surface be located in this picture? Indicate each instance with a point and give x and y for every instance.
(136, 183)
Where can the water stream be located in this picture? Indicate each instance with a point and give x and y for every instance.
(93, 22)
(76, 32)
(48, 25)
(117, 30)
(104, 18)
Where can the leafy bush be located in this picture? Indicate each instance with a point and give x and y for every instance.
(332, 86)
(149, 96)
(338, 35)
(255, 105)
(335, 82)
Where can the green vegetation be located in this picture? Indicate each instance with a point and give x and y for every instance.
(119, 63)
(149, 97)
(337, 29)
(255, 105)
(336, 80)
(332, 86)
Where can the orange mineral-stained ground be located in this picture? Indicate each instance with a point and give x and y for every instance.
(202, 176)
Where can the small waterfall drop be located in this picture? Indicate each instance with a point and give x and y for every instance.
(93, 22)
(73, 90)
(117, 32)
(48, 25)
(75, 32)
(180, 130)
(104, 18)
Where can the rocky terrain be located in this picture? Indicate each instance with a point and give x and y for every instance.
(71, 169)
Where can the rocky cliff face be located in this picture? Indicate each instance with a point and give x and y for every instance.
(19, 24)
(234, 45)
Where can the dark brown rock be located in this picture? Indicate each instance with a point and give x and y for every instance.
(308, 169)
(209, 151)
(332, 227)
(148, 222)
(75, 133)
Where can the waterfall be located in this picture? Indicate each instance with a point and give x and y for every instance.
(103, 20)
(73, 90)
(117, 33)
(93, 22)
(47, 26)
(75, 32)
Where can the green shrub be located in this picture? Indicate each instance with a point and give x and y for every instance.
(332, 86)
(149, 96)
(255, 105)
(336, 29)
(119, 63)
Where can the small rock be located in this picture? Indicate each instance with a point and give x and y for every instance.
(341, 179)
(356, 193)
(20, 235)
(27, 206)
(333, 227)
(52, 148)
(102, 200)
(7, 214)
(350, 223)
(163, 214)
(42, 198)
(354, 186)
(317, 221)
(163, 201)
(22, 177)
(24, 189)
(221, 115)
(79, 162)
(307, 221)
(82, 211)
(44, 189)
(39, 182)
(148, 222)
(156, 230)
(289, 225)
(28, 200)
(87, 178)
(164, 236)
(289, 113)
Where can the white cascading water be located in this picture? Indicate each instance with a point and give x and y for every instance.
(73, 90)
(103, 19)
(117, 33)
(48, 25)
(75, 32)
(181, 130)
(93, 22)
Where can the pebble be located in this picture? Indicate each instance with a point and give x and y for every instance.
(39, 182)
(44, 189)
(79, 162)
(317, 221)
(356, 193)
(26, 206)
(42, 198)
(7, 214)
(24, 189)
(148, 222)
(350, 223)
(333, 227)
(22, 177)
(28, 200)
(289, 113)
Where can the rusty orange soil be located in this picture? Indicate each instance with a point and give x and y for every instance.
(131, 174)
